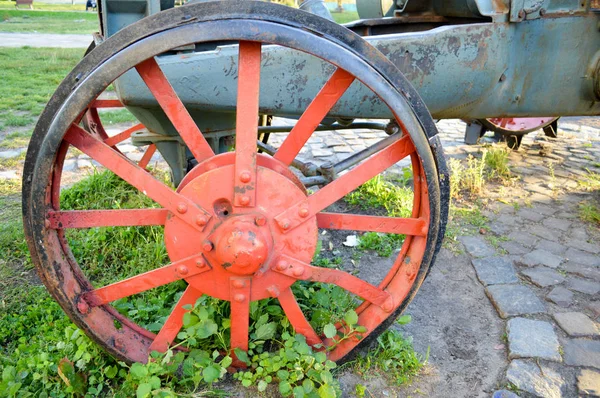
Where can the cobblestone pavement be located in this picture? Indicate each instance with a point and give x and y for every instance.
(541, 271)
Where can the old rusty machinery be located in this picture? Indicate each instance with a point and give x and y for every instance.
(240, 226)
(511, 130)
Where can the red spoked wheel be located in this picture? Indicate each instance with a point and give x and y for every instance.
(241, 227)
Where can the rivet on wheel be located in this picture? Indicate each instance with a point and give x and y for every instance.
(201, 220)
(239, 298)
(182, 208)
(303, 212)
(207, 246)
(281, 265)
(239, 284)
(388, 306)
(182, 270)
(298, 271)
(245, 200)
(245, 176)
(284, 224)
(273, 291)
(200, 263)
(83, 307)
(260, 221)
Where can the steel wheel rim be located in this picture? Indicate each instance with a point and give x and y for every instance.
(139, 353)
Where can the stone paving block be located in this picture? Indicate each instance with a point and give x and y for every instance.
(495, 270)
(586, 271)
(560, 296)
(552, 247)
(13, 153)
(9, 175)
(530, 214)
(476, 246)
(513, 247)
(543, 276)
(512, 300)
(581, 257)
(582, 352)
(557, 223)
(524, 238)
(543, 232)
(583, 286)
(577, 324)
(528, 338)
(594, 306)
(588, 383)
(582, 244)
(540, 257)
(535, 379)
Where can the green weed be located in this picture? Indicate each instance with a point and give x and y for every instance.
(591, 181)
(496, 161)
(589, 212)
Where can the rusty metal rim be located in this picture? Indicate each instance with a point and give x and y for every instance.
(43, 167)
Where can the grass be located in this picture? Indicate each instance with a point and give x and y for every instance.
(15, 140)
(10, 5)
(48, 21)
(590, 182)
(29, 77)
(345, 17)
(589, 212)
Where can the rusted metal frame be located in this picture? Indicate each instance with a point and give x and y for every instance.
(179, 205)
(247, 123)
(331, 92)
(106, 218)
(106, 103)
(356, 222)
(168, 332)
(345, 184)
(185, 268)
(170, 103)
(324, 127)
(143, 163)
(240, 316)
(296, 317)
(302, 271)
(307, 169)
(122, 136)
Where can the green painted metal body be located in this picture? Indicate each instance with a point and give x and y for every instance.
(469, 59)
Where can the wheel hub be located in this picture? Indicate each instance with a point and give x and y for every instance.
(241, 241)
(240, 245)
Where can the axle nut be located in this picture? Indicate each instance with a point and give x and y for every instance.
(207, 246)
(260, 221)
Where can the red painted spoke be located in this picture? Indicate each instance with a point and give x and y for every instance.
(331, 92)
(299, 270)
(246, 131)
(122, 136)
(143, 163)
(296, 317)
(240, 315)
(345, 184)
(162, 90)
(107, 103)
(174, 322)
(179, 205)
(106, 218)
(390, 225)
(140, 283)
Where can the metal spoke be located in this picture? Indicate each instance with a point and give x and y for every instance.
(170, 103)
(107, 103)
(296, 317)
(331, 92)
(247, 123)
(240, 315)
(143, 163)
(174, 322)
(179, 205)
(106, 218)
(302, 271)
(140, 283)
(356, 222)
(122, 136)
(345, 184)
